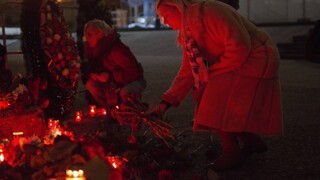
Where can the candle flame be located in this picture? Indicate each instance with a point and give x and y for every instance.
(69, 172)
(115, 161)
(114, 164)
(104, 112)
(1, 156)
(78, 116)
(92, 109)
(75, 173)
(17, 133)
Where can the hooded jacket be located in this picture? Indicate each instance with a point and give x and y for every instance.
(243, 90)
(112, 56)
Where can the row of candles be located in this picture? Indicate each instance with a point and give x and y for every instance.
(55, 128)
(93, 111)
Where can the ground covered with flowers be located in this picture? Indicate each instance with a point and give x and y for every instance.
(121, 146)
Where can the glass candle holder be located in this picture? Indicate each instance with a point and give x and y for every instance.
(78, 117)
(2, 159)
(92, 110)
(75, 174)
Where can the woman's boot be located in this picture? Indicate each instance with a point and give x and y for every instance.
(252, 143)
(231, 156)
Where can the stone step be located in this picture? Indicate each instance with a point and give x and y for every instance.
(295, 49)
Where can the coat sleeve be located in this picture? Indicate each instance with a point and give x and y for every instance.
(127, 69)
(181, 85)
(227, 29)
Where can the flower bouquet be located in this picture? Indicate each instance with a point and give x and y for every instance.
(132, 113)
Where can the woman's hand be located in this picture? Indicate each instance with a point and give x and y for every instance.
(94, 76)
(102, 77)
(159, 110)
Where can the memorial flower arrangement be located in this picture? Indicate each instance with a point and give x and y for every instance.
(95, 155)
(59, 46)
(25, 94)
(50, 53)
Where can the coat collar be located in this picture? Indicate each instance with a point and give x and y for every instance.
(104, 45)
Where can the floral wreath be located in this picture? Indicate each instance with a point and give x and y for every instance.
(58, 46)
(50, 53)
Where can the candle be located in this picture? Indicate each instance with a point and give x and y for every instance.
(92, 109)
(103, 111)
(17, 138)
(53, 123)
(4, 104)
(17, 134)
(116, 161)
(2, 153)
(54, 127)
(75, 174)
(78, 116)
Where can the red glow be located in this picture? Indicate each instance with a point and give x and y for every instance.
(92, 110)
(1, 153)
(114, 165)
(104, 112)
(115, 161)
(78, 116)
(1, 157)
(53, 123)
(75, 174)
(4, 104)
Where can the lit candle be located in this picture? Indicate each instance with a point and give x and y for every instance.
(92, 109)
(115, 161)
(17, 134)
(78, 116)
(4, 104)
(2, 153)
(53, 123)
(75, 174)
(103, 111)
(54, 127)
(17, 138)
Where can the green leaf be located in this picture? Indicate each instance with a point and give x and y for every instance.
(59, 151)
(96, 169)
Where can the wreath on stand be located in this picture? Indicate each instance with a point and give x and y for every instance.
(50, 54)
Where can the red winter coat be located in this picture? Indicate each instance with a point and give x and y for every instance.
(111, 55)
(243, 90)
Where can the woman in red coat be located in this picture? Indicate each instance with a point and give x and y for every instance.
(112, 67)
(232, 68)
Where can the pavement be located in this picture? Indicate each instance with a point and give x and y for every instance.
(292, 156)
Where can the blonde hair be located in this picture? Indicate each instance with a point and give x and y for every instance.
(99, 25)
